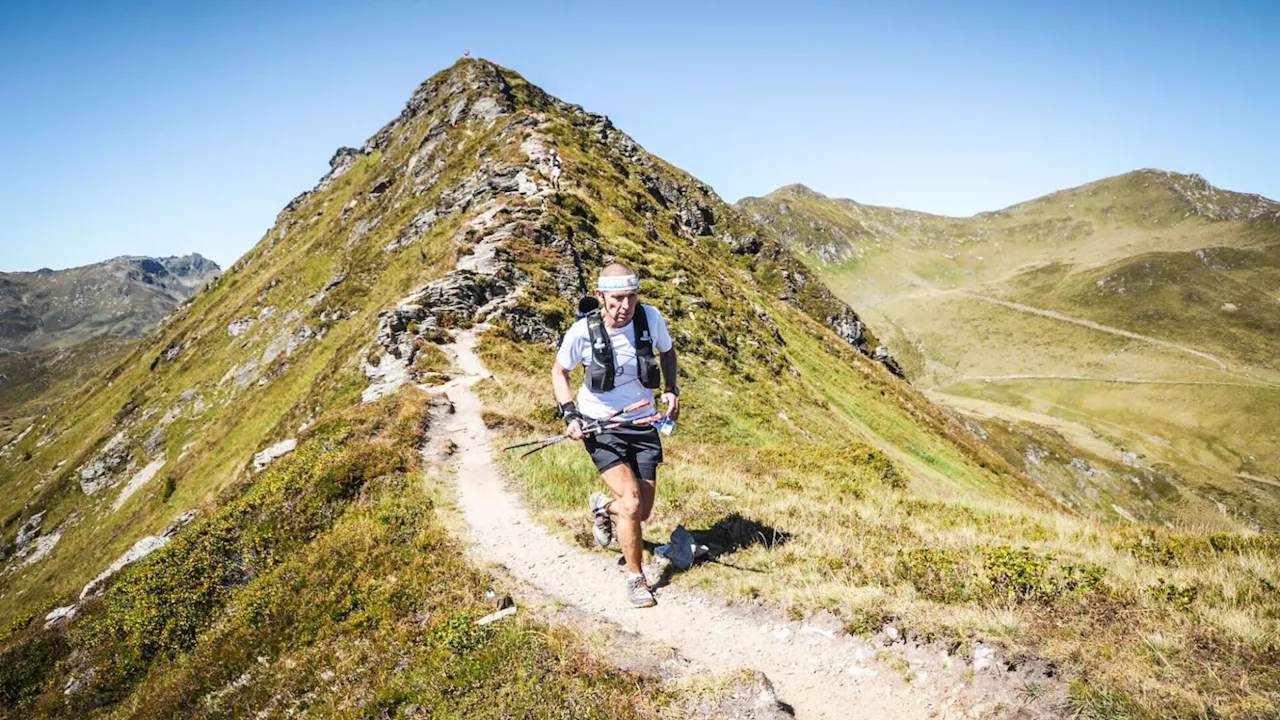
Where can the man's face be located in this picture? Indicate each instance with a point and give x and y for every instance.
(619, 307)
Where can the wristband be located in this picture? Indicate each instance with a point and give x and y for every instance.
(569, 411)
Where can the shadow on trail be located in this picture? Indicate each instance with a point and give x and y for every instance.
(730, 534)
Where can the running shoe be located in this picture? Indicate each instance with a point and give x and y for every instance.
(601, 523)
(638, 592)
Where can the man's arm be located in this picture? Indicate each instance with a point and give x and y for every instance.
(560, 386)
(669, 374)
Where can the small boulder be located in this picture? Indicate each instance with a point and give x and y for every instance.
(886, 358)
(100, 472)
(239, 327)
(273, 453)
(180, 522)
(334, 282)
(61, 616)
(984, 657)
(30, 530)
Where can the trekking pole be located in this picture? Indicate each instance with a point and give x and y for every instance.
(548, 439)
(595, 428)
(592, 429)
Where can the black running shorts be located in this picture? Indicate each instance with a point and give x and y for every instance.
(640, 448)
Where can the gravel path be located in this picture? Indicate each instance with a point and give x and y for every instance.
(817, 670)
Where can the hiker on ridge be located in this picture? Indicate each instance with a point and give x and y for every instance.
(555, 170)
(616, 343)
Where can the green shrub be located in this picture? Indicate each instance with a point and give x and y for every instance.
(845, 468)
(461, 635)
(1154, 547)
(1102, 703)
(429, 358)
(1024, 575)
(26, 667)
(936, 573)
(868, 621)
(1179, 596)
(1158, 547)
(166, 491)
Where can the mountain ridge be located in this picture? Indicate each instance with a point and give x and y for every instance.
(444, 219)
(58, 328)
(1164, 260)
(253, 510)
(1192, 187)
(124, 296)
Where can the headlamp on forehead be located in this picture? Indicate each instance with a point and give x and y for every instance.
(618, 283)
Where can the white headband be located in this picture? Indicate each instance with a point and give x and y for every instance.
(617, 283)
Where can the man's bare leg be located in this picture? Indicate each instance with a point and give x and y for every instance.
(632, 503)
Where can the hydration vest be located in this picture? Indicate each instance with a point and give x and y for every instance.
(601, 371)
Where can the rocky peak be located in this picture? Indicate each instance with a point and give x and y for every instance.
(194, 264)
(1213, 203)
(471, 151)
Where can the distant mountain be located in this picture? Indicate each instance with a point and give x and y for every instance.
(121, 297)
(1118, 341)
(59, 328)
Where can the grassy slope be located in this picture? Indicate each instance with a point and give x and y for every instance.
(213, 610)
(853, 493)
(904, 271)
(325, 586)
(828, 523)
(39, 380)
(1151, 253)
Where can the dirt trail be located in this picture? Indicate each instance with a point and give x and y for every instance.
(1096, 326)
(818, 671)
(1085, 378)
(1258, 478)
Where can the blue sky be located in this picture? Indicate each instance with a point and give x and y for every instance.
(169, 127)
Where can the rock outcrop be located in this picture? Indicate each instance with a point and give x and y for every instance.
(273, 453)
(140, 549)
(105, 468)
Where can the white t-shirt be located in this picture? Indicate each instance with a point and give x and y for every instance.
(575, 350)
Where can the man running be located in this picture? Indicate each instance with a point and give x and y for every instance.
(616, 344)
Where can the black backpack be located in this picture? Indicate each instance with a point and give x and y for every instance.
(600, 373)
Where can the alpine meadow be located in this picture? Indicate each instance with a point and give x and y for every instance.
(1066, 508)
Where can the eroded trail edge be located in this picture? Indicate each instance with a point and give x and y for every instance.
(818, 671)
